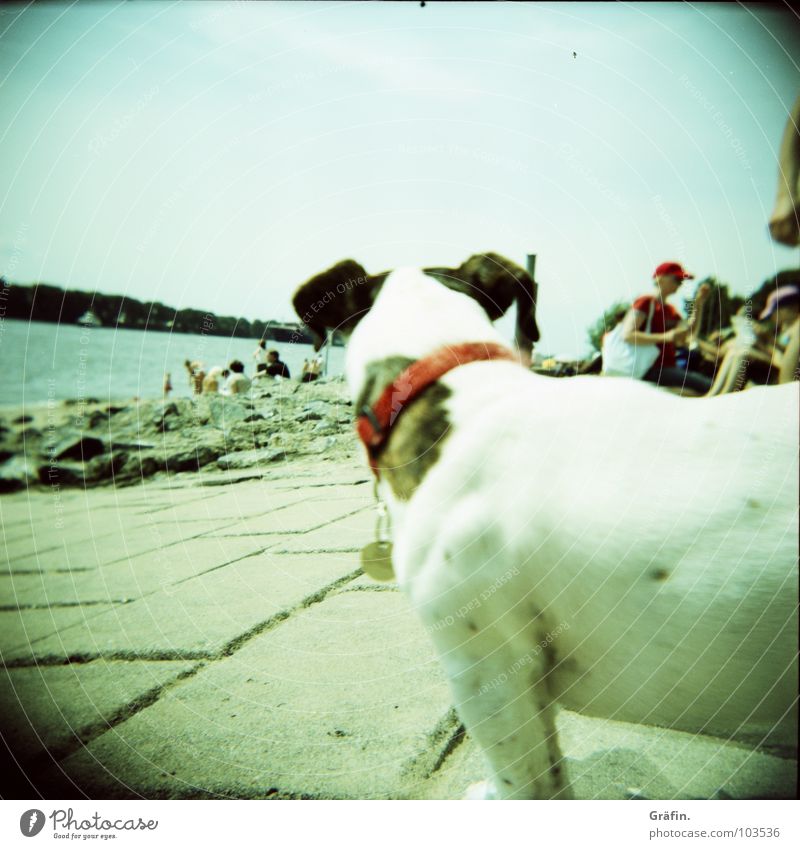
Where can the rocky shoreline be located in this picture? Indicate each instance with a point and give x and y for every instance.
(92, 443)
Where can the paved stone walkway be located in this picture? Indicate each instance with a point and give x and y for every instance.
(211, 635)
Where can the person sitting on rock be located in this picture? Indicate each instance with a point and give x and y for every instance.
(238, 383)
(213, 381)
(748, 360)
(276, 367)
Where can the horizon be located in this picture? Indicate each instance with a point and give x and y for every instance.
(214, 156)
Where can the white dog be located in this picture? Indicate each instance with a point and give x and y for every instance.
(590, 542)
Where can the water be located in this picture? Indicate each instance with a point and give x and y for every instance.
(42, 361)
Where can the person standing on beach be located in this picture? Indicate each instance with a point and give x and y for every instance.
(260, 356)
(167, 384)
(311, 369)
(667, 329)
(196, 372)
(199, 375)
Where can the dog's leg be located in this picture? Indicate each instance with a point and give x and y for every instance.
(500, 689)
(494, 645)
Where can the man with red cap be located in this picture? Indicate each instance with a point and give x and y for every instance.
(653, 321)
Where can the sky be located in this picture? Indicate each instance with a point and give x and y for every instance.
(216, 155)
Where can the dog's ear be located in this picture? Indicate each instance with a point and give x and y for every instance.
(336, 299)
(496, 282)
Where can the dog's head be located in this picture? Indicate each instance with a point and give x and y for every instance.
(338, 298)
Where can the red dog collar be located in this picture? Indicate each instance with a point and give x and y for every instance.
(374, 424)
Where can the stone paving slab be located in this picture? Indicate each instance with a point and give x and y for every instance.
(19, 507)
(364, 582)
(322, 473)
(349, 534)
(42, 537)
(107, 548)
(19, 629)
(606, 759)
(312, 472)
(199, 617)
(127, 579)
(263, 663)
(339, 702)
(46, 711)
(300, 518)
(229, 506)
(615, 760)
(361, 493)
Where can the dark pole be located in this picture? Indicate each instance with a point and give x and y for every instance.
(532, 272)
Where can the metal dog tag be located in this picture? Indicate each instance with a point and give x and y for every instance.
(376, 560)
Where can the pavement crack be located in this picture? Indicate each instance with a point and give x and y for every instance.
(90, 657)
(236, 643)
(446, 736)
(12, 572)
(13, 608)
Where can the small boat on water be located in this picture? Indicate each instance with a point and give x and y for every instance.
(89, 319)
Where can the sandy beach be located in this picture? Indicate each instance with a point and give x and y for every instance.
(210, 633)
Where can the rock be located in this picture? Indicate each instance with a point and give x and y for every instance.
(308, 416)
(223, 412)
(254, 417)
(16, 473)
(131, 446)
(23, 419)
(61, 474)
(191, 459)
(242, 437)
(83, 448)
(5, 455)
(104, 467)
(71, 402)
(248, 459)
(97, 418)
(325, 426)
(164, 416)
(139, 466)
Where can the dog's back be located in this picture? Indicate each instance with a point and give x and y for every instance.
(658, 533)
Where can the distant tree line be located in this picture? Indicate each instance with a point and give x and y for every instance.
(41, 302)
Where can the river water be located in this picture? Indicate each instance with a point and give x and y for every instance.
(52, 361)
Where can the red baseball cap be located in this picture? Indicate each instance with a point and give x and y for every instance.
(674, 269)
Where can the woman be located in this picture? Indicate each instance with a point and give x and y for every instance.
(778, 362)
